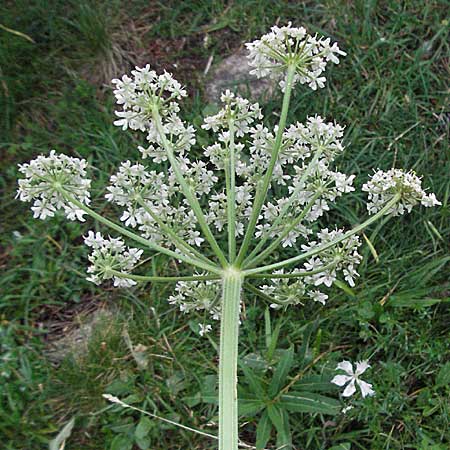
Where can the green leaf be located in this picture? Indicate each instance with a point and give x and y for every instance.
(263, 431)
(303, 352)
(342, 446)
(60, 440)
(315, 383)
(280, 420)
(443, 377)
(274, 340)
(307, 402)
(344, 287)
(255, 361)
(281, 372)
(410, 300)
(143, 428)
(121, 442)
(249, 407)
(253, 381)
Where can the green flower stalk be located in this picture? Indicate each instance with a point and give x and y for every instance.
(255, 191)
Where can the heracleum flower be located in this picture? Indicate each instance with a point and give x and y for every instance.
(198, 296)
(352, 378)
(141, 94)
(237, 110)
(343, 257)
(45, 179)
(109, 255)
(285, 292)
(383, 186)
(274, 52)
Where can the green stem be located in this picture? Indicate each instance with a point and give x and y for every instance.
(286, 206)
(144, 278)
(330, 244)
(301, 274)
(272, 247)
(182, 244)
(190, 196)
(141, 240)
(230, 179)
(229, 335)
(261, 194)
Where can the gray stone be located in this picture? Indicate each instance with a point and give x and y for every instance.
(76, 339)
(233, 73)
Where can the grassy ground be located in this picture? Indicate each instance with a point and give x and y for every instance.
(392, 94)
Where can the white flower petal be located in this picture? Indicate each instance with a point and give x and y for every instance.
(350, 389)
(366, 388)
(361, 367)
(346, 366)
(340, 380)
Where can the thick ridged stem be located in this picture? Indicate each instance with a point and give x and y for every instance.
(229, 336)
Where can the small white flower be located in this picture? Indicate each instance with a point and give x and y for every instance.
(352, 377)
(204, 329)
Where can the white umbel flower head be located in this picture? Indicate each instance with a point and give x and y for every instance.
(383, 186)
(198, 296)
(238, 111)
(140, 93)
(46, 180)
(109, 256)
(352, 377)
(343, 257)
(284, 46)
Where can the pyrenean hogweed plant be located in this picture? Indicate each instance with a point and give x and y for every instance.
(253, 193)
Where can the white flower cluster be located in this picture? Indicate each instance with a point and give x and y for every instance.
(274, 52)
(47, 177)
(142, 94)
(110, 255)
(383, 186)
(284, 292)
(237, 110)
(217, 214)
(342, 257)
(198, 296)
(149, 199)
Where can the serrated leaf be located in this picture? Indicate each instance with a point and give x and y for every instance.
(263, 431)
(307, 402)
(281, 372)
(59, 442)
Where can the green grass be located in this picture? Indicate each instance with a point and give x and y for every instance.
(391, 93)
